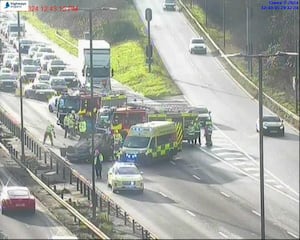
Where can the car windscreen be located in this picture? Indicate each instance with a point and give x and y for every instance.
(30, 69)
(43, 86)
(28, 62)
(45, 50)
(58, 81)
(7, 77)
(49, 57)
(201, 110)
(271, 119)
(197, 41)
(127, 171)
(71, 74)
(44, 77)
(57, 62)
(18, 193)
(136, 142)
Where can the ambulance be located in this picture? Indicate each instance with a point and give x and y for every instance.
(151, 141)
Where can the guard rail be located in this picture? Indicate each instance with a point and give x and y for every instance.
(251, 87)
(63, 167)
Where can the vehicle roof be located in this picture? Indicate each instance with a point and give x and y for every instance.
(197, 38)
(83, 43)
(15, 188)
(124, 164)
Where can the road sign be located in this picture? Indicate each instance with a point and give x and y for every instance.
(148, 14)
(14, 6)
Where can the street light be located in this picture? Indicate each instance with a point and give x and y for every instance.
(260, 106)
(21, 92)
(94, 204)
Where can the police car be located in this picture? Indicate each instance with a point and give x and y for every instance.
(125, 176)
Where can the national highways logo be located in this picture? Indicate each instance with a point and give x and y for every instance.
(13, 6)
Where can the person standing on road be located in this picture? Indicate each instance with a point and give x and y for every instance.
(66, 125)
(49, 133)
(98, 159)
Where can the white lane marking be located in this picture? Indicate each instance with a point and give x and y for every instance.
(225, 194)
(256, 174)
(215, 149)
(256, 213)
(293, 234)
(270, 180)
(241, 163)
(251, 169)
(279, 186)
(172, 162)
(223, 235)
(161, 193)
(247, 174)
(266, 170)
(189, 212)
(235, 158)
(229, 153)
(195, 176)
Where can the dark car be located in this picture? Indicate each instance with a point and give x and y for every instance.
(58, 84)
(39, 91)
(8, 82)
(29, 61)
(29, 72)
(25, 44)
(54, 66)
(81, 151)
(271, 125)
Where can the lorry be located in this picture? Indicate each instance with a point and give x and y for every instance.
(101, 64)
(13, 27)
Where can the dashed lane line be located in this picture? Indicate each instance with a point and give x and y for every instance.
(164, 195)
(223, 235)
(255, 212)
(256, 174)
(172, 162)
(189, 212)
(251, 169)
(195, 176)
(225, 194)
(293, 235)
(216, 149)
(242, 163)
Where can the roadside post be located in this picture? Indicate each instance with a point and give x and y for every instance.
(149, 47)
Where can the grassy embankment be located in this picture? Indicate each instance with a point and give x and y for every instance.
(128, 61)
(217, 35)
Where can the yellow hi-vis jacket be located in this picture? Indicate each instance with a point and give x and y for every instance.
(82, 126)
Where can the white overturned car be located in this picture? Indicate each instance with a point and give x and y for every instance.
(197, 46)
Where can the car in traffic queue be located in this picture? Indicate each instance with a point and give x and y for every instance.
(124, 176)
(68, 75)
(33, 48)
(45, 59)
(17, 199)
(42, 78)
(29, 61)
(39, 91)
(8, 82)
(5, 70)
(53, 103)
(25, 44)
(15, 64)
(12, 37)
(58, 84)
(203, 113)
(197, 46)
(54, 66)
(272, 124)
(29, 72)
(7, 58)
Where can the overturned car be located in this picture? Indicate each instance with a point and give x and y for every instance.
(82, 151)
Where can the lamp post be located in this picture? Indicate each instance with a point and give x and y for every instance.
(260, 107)
(21, 92)
(94, 203)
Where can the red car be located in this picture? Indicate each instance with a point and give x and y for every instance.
(17, 198)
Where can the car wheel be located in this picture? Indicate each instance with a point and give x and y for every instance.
(108, 182)
(26, 95)
(50, 109)
(112, 188)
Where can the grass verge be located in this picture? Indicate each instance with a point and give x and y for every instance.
(128, 60)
